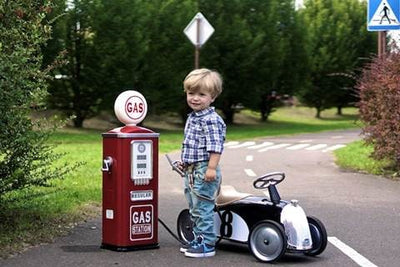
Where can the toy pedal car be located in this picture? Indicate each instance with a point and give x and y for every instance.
(270, 226)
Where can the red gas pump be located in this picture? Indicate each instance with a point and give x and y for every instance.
(130, 179)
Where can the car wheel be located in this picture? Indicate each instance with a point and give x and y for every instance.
(185, 226)
(318, 235)
(267, 241)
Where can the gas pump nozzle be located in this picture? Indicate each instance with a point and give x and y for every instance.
(175, 165)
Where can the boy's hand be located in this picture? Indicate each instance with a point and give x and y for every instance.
(180, 165)
(210, 175)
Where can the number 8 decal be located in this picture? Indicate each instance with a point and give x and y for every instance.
(226, 224)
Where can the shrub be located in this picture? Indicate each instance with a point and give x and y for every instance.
(379, 89)
(25, 157)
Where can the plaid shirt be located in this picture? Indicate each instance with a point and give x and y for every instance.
(204, 133)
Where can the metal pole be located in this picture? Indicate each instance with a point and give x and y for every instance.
(196, 56)
(381, 43)
(197, 46)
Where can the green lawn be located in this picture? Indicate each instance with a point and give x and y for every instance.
(38, 214)
(355, 157)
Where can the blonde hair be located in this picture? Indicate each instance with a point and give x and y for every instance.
(203, 79)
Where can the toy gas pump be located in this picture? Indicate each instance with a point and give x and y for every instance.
(130, 179)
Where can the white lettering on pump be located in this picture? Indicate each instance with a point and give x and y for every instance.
(141, 222)
(141, 217)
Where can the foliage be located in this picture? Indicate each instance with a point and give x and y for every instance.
(337, 43)
(25, 157)
(252, 49)
(125, 44)
(380, 106)
(77, 89)
(259, 46)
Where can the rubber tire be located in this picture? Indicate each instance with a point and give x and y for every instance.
(185, 226)
(318, 235)
(267, 241)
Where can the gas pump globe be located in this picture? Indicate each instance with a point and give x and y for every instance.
(130, 179)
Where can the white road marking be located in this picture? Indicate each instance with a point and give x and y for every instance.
(331, 148)
(305, 141)
(249, 158)
(337, 137)
(250, 172)
(249, 143)
(298, 146)
(316, 147)
(265, 146)
(261, 145)
(350, 252)
(274, 147)
(231, 143)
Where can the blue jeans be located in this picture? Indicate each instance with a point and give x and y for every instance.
(201, 199)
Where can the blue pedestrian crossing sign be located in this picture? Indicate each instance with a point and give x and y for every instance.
(383, 15)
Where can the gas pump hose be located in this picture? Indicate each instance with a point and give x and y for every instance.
(181, 241)
(171, 233)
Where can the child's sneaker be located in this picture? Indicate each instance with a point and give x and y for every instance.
(190, 244)
(186, 246)
(202, 250)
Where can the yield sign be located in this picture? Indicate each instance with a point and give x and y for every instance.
(198, 30)
(383, 15)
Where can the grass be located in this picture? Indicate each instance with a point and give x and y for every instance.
(37, 215)
(355, 156)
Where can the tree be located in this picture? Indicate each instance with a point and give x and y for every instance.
(169, 57)
(77, 90)
(25, 156)
(250, 47)
(337, 41)
(112, 46)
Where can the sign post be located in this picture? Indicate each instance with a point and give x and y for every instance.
(382, 16)
(198, 31)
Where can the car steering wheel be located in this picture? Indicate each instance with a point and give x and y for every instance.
(265, 181)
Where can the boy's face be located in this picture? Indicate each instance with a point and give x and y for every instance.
(199, 99)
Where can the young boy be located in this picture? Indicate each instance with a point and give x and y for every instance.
(202, 146)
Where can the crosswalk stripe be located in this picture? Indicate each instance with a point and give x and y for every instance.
(316, 147)
(331, 148)
(250, 143)
(231, 143)
(298, 146)
(261, 145)
(265, 146)
(274, 147)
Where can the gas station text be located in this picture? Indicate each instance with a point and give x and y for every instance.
(141, 217)
(141, 229)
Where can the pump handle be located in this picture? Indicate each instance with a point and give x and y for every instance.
(174, 165)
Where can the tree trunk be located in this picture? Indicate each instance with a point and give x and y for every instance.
(78, 121)
(228, 112)
(339, 111)
(318, 114)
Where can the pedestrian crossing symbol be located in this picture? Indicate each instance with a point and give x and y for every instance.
(383, 15)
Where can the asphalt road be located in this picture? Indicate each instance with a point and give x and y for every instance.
(361, 212)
